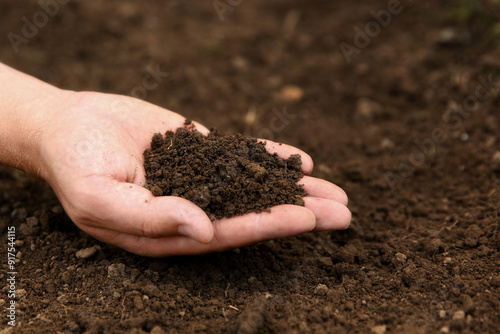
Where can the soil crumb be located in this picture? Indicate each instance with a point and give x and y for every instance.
(225, 175)
(252, 319)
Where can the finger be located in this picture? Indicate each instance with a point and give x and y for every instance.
(323, 189)
(201, 128)
(159, 121)
(285, 151)
(283, 221)
(330, 215)
(131, 209)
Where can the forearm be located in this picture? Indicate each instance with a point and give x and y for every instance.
(26, 105)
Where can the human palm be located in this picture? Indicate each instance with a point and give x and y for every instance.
(93, 156)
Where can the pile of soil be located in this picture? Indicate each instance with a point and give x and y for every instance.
(225, 175)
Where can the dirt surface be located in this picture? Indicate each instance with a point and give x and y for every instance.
(225, 175)
(422, 253)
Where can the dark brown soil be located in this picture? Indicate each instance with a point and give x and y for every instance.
(225, 175)
(421, 256)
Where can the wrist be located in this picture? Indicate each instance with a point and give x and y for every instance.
(27, 108)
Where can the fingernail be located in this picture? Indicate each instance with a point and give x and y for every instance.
(188, 231)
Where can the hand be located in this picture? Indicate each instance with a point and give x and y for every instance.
(92, 154)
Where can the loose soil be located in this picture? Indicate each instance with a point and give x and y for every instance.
(225, 175)
(421, 256)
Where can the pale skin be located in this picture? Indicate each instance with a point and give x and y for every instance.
(89, 147)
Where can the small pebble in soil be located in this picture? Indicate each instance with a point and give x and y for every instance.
(349, 306)
(367, 109)
(57, 209)
(20, 293)
(469, 305)
(399, 260)
(86, 253)
(291, 94)
(116, 270)
(251, 320)
(138, 303)
(225, 175)
(386, 144)
(453, 36)
(157, 330)
(321, 290)
(473, 233)
(496, 158)
(444, 330)
(381, 329)
(459, 315)
(151, 290)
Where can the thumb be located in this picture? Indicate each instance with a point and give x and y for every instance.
(131, 209)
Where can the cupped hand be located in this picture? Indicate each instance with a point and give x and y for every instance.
(92, 153)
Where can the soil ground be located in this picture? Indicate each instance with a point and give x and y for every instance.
(422, 254)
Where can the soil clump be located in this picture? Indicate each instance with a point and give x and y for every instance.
(225, 175)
